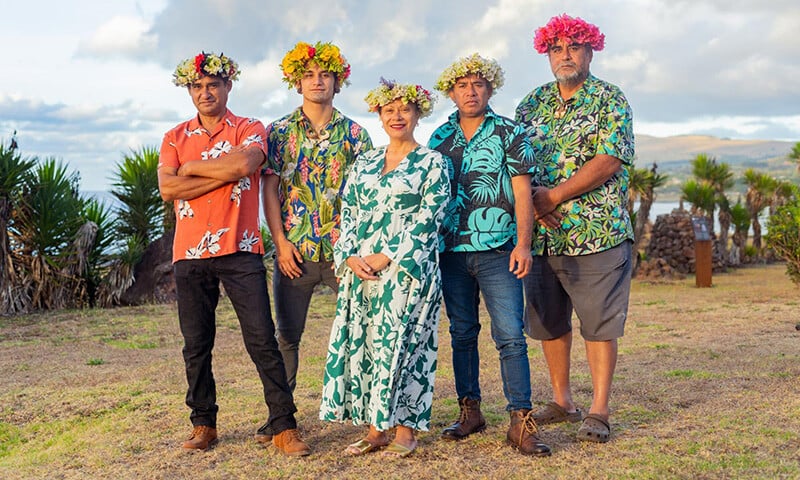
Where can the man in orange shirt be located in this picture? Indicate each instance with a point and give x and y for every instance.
(209, 167)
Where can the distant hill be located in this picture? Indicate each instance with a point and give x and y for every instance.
(673, 156)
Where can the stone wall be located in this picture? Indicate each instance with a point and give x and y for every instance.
(671, 249)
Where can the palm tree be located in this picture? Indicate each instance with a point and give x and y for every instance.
(760, 191)
(740, 218)
(142, 213)
(100, 256)
(642, 186)
(795, 154)
(702, 197)
(49, 217)
(13, 169)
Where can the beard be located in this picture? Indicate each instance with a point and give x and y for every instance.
(572, 78)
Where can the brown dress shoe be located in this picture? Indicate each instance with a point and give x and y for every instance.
(290, 443)
(470, 421)
(522, 434)
(263, 438)
(202, 437)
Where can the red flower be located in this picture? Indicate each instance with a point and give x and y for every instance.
(198, 62)
(311, 51)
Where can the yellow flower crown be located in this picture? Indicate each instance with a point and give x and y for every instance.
(389, 91)
(202, 64)
(473, 65)
(325, 55)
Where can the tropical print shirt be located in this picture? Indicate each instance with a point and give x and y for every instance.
(312, 170)
(480, 214)
(566, 135)
(225, 220)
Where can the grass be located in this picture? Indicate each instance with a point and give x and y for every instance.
(707, 386)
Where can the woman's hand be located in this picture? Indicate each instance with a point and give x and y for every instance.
(361, 268)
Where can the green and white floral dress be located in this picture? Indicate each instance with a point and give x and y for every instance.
(383, 344)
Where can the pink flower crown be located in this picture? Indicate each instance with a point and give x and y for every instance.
(576, 30)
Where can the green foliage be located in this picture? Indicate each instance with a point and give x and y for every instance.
(101, 253)
(783, 236)
(142, 212)
(740, 217)
(50, 210)
(702, 196)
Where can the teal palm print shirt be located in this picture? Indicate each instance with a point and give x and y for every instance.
(480, 214)
(567, 134)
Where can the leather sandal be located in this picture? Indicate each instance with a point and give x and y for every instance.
(362, 447)
(396, 450)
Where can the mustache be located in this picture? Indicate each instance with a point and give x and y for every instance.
(567, 64)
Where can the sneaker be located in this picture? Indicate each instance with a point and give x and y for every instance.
(290, 443)
(202, 437)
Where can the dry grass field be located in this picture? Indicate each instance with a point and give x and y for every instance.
(707, 386)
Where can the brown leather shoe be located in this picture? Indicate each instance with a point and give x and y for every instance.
(290, 443)
(202, 437)
(470, 421)
(263, 435)
(522, 434)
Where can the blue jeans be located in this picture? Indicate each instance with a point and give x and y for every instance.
(465, 276)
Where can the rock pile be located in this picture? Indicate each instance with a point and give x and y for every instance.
(672, 245)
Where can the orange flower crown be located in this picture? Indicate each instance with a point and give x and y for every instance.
(325, 55)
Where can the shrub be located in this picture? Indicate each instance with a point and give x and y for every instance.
(783, 236)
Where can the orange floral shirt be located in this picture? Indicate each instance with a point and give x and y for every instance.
(225, 220)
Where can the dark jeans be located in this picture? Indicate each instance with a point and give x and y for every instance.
(292, 298)
(244, 277)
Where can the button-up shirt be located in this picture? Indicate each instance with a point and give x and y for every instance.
(480, 214)
(312, 168)
(225, 220)
(565, 135)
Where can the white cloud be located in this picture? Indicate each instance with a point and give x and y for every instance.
(120, 36)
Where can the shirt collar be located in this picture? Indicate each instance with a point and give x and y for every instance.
(453, 118)
(229, 119)
(300, 118)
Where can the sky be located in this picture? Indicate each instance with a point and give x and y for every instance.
(88, 81)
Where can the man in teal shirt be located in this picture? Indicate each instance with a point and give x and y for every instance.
(582, 133)
(486, 234)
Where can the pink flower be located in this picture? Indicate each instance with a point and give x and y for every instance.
(574, 30)
(355, 129)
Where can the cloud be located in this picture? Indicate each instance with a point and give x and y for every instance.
(121, 36)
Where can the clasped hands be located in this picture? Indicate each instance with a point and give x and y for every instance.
(545, 208)
(367, 267)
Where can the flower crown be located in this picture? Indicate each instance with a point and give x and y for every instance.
(193, 69)
(575, 30)
(325, 55)
(473, 65)
(389, 90)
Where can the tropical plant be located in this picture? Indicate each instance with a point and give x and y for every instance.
(13, 171)
(795, 154)
(740, 219)
(702, 197)
(642, 185)
(783, 236)
(142, 212)
(100, 255)
(49, 217)
(760, 191)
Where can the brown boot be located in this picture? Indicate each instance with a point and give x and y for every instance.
(522, 434)
(202, 437)
(470, 421)
(290, 443)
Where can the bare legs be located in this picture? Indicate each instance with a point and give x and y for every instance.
(602, 359)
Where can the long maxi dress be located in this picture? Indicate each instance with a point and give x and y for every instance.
(383, 345)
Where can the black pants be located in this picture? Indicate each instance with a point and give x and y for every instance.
(243, 276)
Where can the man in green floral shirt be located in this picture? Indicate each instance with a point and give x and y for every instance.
(581, 129)
(309, 153)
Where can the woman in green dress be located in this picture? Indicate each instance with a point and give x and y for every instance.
(383, 344)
